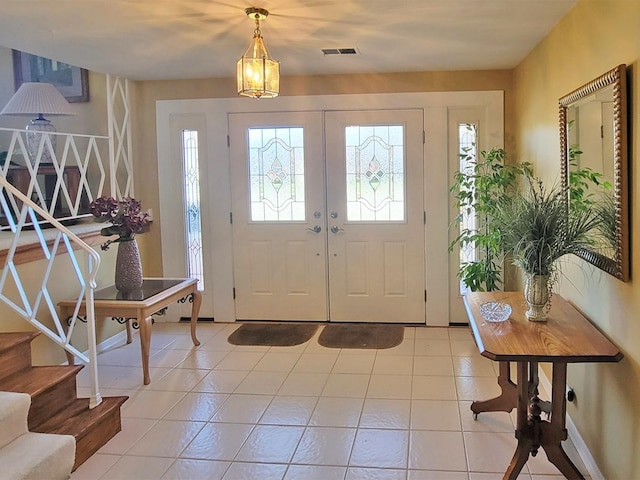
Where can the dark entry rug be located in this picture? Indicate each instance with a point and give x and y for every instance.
(272, 334)
(359, 335)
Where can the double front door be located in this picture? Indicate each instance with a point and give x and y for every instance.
(328, 216)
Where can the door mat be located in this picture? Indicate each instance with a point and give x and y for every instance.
(272, 334)
(361, 336)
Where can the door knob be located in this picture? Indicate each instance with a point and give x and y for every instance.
(316, 229)
(335, 229)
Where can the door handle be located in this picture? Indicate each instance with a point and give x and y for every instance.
(316, 229)
(335, 229)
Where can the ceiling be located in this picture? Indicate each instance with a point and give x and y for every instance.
(175, 39)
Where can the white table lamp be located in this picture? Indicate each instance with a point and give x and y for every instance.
(39, 99)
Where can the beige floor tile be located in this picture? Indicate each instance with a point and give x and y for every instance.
(316, 362)
(407, 347)
(304, 384)
(325, 446)
(240, 408)
(477, 388)
(152, 404)
(359, 473)
(168, 358)
(499, 476)
(254, 471)
(133, 429)
(489, 452)
(203, 359)
(431, 450)
(270, 444)
(473, 367)
(460, 333)
(95, 467)
(433, 365)
(386, 413)
(289, 411)
(178, 380)
(346, 385)
(221, 381)
(462, 348)
(433, 333)
(262, 383)
(129, 467)
(540, 466)
(337, 412)
(315, 472)
(277, 362)
(187, 469)
(347, 363)
(436, 475)
(432, 347)
(486, 422)
(217, 441)
(393, 365)
(167, 438)
(196, 406)
(390, 387)
(435, 415)
(240, 360)
(380, 448)
(433, 388)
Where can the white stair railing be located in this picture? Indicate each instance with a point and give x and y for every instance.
(56, 241)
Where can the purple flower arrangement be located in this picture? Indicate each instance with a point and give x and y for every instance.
(124, 215)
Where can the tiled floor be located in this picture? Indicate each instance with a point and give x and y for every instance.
(307, 412)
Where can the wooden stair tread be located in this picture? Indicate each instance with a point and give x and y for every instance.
(35, 380)
(9, 340)
(77, 419)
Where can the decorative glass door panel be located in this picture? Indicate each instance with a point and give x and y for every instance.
(375, 173)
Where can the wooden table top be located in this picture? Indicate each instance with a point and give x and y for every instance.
(566, 336)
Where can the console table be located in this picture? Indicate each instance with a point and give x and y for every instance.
(155, 294)
(566, 337)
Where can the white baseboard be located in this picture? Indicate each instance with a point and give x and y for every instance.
(573, 433)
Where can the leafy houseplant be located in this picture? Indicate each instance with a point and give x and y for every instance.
(537, 229)
(478, 191)
(124, 215)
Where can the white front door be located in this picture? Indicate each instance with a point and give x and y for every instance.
(345, 245)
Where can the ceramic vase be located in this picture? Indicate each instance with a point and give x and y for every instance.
(128, 267)
(536, 295)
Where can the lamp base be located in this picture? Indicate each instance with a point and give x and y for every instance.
(37, 138)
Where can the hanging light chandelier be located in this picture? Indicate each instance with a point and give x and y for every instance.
(258, 75)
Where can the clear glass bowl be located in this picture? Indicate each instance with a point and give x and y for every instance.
(495, 311)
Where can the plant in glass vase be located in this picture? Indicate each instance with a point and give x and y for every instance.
(126, 219)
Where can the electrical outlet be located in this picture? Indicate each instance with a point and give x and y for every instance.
(571, 395)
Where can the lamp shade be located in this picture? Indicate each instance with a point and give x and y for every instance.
(33, 98)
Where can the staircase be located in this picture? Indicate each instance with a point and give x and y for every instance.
(55, 407)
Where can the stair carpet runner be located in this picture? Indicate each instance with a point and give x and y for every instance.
(51, 406)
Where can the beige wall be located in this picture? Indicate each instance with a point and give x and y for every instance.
(147, 93)
(594, 37)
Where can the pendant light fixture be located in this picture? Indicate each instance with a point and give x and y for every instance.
(258, 75)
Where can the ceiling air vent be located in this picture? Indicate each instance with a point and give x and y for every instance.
(339, 51)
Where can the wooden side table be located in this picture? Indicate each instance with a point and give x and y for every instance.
(155, 294)
(566, 337)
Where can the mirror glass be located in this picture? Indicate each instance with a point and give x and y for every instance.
(593, 142)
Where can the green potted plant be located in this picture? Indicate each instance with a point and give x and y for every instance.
(537, 228)
(478, 190)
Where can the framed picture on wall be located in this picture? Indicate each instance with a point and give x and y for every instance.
(73, 82)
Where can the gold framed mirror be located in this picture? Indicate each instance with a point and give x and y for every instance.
(593, 147)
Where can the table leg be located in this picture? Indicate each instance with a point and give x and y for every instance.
(506, 401)
(145, 342)
(553, 433)
(523, 430)
(195, 310)
(128, 324)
